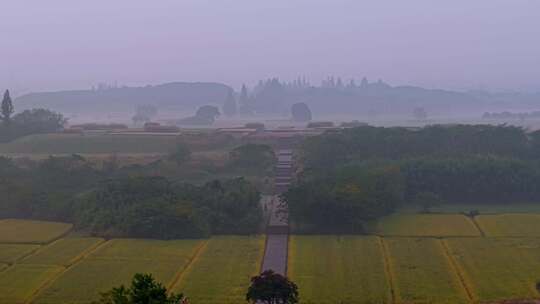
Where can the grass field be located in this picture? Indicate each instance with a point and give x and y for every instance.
(437, 225)
(510, 225)
(498, 269)
(10, 253)
(20, 282)
(115, 263)
(33, 232)
(421, 272)
(63, 252)
(109, 143)
(139, 249)
(338, 269)
(221, 272)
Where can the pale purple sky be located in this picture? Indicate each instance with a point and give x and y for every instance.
(457, 44)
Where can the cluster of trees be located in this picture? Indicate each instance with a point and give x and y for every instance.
(360, 174)
(27, 122)
(112, 201)
(268, 288)
(205, 115)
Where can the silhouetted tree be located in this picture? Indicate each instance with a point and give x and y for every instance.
(7, 108)
(272, 288)
(229, 106)
(301, 112)
(245, 103)
(143, 290)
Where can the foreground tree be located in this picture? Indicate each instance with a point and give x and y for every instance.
(143, 290)
(7, 108)
(272, 288)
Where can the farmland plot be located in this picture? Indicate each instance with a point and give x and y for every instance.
(510, 225)
(34, 232)
(498, 269)
(115, 263)
(20, 282)
(10, 253)
(221, 272)
(63, 252)
(422, 273)
(437, 225)
(338, 269)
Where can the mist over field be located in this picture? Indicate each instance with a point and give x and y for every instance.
(263, 152)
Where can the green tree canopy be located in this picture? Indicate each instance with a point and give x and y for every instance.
(272, 288)
(143, 290)
(6, 108)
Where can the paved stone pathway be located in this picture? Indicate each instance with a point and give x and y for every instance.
(277, 231)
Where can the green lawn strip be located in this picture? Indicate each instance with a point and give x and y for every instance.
(425, 225)
(221, 272)
(422, 273)
(338, 269)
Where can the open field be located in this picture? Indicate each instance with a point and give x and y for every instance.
(20, 282)
(510, 225)
(10, 253)
(108, 143)
(32, 232)
(338, 269)
(435, 225)
(63, 252)
(143, 250)
(422, 273)
(221, 272)
(498, 269)
(115, 263)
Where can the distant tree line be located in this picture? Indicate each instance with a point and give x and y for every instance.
(27, 122)
(357, 175)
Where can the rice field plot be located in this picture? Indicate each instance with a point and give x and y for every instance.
(146, 249)
(222, 270)
(510, 225)
(498, 269)
(3, 266)
(63, 252)
(421, 272)
(115, 263)
(32, 232)
(338, 269)
(20, 282)
(9, 253)
(426, 225)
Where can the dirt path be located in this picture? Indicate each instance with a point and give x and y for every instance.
(277, 230)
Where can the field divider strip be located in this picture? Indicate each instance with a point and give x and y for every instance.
(53, 278)
(477, 225)
(457, 271)
(387, 268)
(85, 252)
(180, 273)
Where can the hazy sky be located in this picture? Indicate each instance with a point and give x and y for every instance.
(65, 44)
